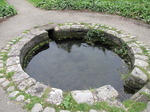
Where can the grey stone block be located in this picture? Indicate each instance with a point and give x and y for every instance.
(37, 108)
(6, 83)
(20, 76)
(84, 96)
(12, 61)
(37, 89)
(13, 94)
(14, 68)
(11, 88)
(26, 83)
(20, 98)
(55, 96)
(49, 109)
(105, 93)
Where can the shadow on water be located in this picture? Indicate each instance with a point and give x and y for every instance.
(74, 65)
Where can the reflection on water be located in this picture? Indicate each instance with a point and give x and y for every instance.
(72, 65)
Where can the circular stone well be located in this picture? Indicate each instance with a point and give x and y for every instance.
(22, 49)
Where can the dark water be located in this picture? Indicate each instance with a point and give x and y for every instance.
(72, 65)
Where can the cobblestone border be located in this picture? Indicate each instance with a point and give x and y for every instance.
(12, 55)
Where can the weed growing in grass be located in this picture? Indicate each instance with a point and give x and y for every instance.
(68, 102)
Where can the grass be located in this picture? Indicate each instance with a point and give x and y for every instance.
(3, 2)
(137, 9)
(70, 104)
(35, 2)
(6, 9)
(133, 106)
(9, 75)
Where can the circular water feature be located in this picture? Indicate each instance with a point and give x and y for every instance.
(72, 64)
(91, 58)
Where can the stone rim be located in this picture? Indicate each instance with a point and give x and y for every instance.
(16, 51)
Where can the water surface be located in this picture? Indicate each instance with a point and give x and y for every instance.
(72, 65)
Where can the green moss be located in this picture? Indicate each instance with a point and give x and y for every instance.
(31, 53)
(46, 92)
(3, 71)
(4, 56)
(26, 31)
(10, 84)
(107, 107)
(3, 3)
(145, 52)
(1, 76)
(125, 76)
(33, 101)
(9, 75)
(133, 106)
(15, 40)
(36, 27)
(146, 94)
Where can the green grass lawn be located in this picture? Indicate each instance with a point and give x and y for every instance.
(6, 9)
(137, 9)
(3, 2)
